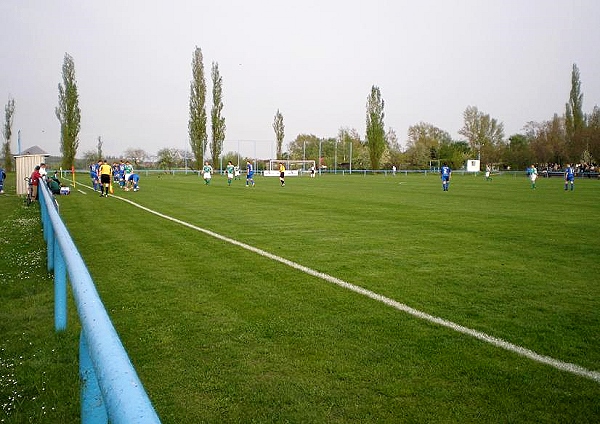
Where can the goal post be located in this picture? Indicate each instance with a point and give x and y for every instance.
(293, 168)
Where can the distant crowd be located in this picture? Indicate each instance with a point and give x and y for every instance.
(580, 169)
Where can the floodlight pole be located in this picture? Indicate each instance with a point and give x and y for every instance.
(335, 158)
(185, 160)
(351, 157)
(320, 140)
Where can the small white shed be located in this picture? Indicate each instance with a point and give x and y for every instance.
(26, 161)
(473, 165)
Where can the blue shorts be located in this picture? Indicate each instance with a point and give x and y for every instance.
(250, 175)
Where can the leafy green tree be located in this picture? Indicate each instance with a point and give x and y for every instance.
(484, 134)
(424, 142)
(518, 154)
(217, 120)
(353, 153)
(233, 157)
(68, 113)
(197, 121)
(305, 146)
(279, 129)
(454, 153)
(9, 111)
(375, 137)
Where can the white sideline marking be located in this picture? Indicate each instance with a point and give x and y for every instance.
(555, 363)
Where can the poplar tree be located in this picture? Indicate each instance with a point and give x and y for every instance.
(99, 149)
(279, 129)
(375, 137)
(68, 113)
(197, 122)
(217, 121)
(9, 111)
(574, 117)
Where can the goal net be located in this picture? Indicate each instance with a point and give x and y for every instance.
(293, 168)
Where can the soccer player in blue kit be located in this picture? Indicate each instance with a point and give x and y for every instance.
(133, 181)
(446, 173)
(569, 177)
(94, 175)
(249, 174)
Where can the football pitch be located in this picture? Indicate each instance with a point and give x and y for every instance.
(352, 298)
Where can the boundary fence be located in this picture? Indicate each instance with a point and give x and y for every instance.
(111, 390)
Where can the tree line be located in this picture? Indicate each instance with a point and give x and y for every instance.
(571, 137)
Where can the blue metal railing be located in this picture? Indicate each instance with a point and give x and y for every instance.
(110, 387)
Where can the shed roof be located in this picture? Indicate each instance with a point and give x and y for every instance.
(33, 151)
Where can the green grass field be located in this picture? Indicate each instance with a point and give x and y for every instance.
(218, 333)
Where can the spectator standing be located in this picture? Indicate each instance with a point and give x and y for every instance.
(34, 180)
(43, 171)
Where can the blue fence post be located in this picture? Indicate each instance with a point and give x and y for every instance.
(44, 213)
(50, 244)
(93, 410)
(60, 291)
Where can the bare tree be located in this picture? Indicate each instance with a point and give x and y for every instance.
(483, 133)
(136, 155)
(99, 148)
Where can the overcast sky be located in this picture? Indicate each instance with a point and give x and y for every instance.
(314, 60)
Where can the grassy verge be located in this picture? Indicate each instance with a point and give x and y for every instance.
(38, 367)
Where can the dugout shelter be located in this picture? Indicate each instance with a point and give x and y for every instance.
(25, 162)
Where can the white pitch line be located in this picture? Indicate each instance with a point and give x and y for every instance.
(527, 353)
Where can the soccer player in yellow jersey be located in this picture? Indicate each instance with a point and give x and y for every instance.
(105, 173)
(282, 174)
